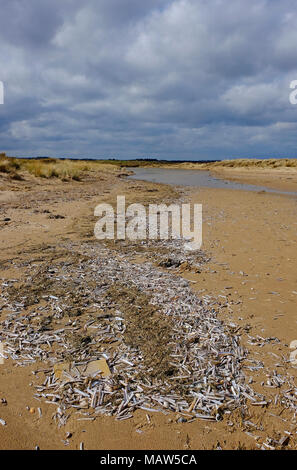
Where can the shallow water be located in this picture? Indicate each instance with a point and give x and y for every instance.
(196, 178)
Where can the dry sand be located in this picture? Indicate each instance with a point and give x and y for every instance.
(251, 238)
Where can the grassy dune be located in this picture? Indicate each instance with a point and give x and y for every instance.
(251, 163)
(46, 168)
(56, 169)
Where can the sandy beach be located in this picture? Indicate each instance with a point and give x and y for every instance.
(250, 240)
(148, 230)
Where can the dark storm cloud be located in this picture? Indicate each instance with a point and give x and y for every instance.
(176, 79)
(30, 23)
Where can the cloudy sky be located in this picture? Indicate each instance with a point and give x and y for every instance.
(179, 79)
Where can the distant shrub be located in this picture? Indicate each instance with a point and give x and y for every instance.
(4, 167)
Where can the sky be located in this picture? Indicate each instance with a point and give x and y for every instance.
(180, 79)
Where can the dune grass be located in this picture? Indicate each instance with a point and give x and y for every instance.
(63, 169)
(10, 166)
(247, 163)
(257, 163)
(45, 168)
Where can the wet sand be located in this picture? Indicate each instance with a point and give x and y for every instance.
(283, 179)
(251, 239)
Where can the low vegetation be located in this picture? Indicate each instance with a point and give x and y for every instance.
(56, 169)
(255, 163)
(16, 168)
